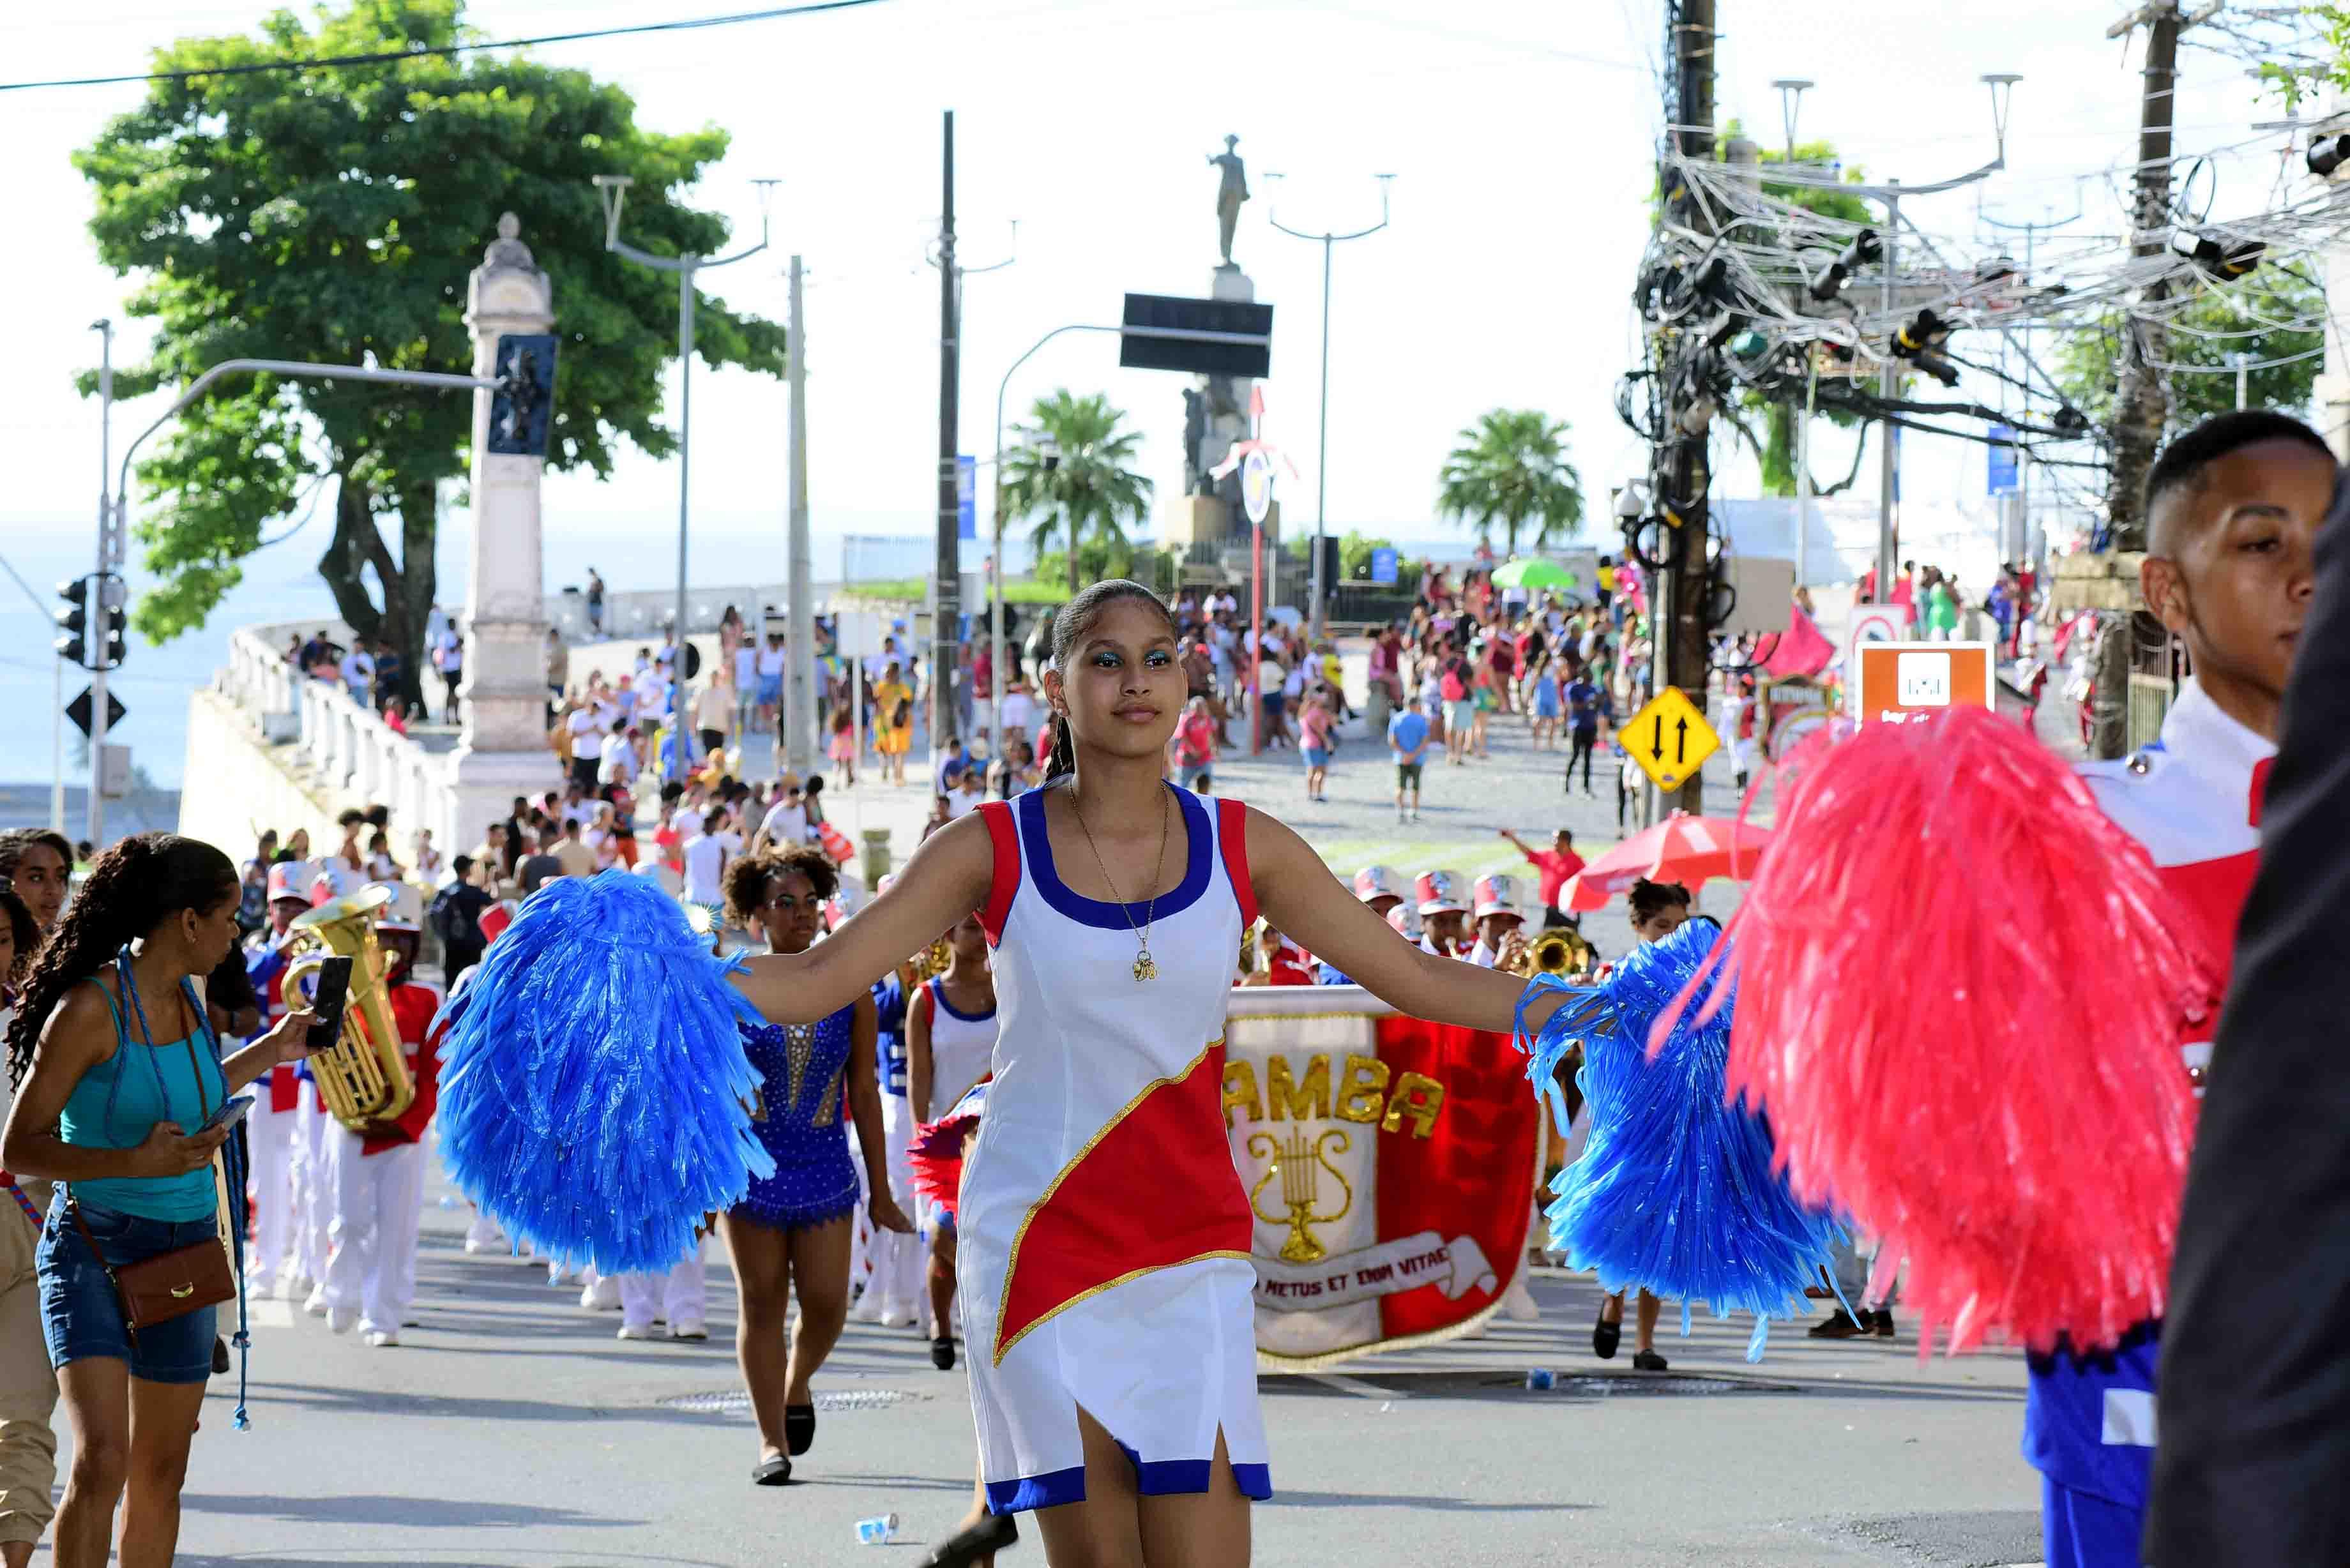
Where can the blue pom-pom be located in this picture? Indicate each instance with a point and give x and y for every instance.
(1674, 1193)
(595, 1095)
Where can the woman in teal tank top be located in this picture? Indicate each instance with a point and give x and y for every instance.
(114, 1063)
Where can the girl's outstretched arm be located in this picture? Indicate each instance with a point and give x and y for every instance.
(1304, 901)
(946, 879)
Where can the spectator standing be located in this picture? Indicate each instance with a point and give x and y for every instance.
(714, 712)
(571, 851)
(391, 676)
(587, 724)
(448, 662)
(1409, 737)
(1315, 742)
(893, 720)
(1586, 705)
(771, 664)
(358, 673)
(595, 602)
(786, 822)
(558, 666)
(1554, 868)
(706, 854)
(1194, 747)
(457, 916)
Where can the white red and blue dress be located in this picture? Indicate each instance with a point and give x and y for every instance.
(2193, 799)
(1105, 1236)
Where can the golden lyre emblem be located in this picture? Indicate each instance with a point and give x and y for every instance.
(1300, 1162)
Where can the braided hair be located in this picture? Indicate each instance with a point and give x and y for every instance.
(1077, 619)
(135, 885)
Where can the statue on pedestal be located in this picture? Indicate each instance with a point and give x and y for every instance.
(1230, 193)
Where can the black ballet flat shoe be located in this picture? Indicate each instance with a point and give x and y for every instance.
(943, 1355)
(1605, 1337)
(982, 1540)
(1648, 1361)
(799, 1429)
(773, 1472)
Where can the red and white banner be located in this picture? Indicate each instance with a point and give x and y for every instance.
(1391, 1164)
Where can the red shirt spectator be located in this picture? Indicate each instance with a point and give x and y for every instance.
(1556, 867)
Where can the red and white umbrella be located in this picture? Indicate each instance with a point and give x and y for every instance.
(1690, 850)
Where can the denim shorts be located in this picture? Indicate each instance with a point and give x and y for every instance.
(81, 1315)
(1316, 757)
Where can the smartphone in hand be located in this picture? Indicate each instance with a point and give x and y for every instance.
(334, 991)
(231, 1111)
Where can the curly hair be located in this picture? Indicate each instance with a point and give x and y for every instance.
(747, 879)
(133, 887)
(1649, 899)
(22, 932)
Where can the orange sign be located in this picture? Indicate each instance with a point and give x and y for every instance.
(1900, 678)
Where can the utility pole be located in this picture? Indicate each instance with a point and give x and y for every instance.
(2142, 405)
(1320, 591)
(111, 553)
(798, 745)
(1678, 619)
(946, 587)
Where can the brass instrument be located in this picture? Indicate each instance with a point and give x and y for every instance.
(1558, 951)
(363, 1076)
(933, 960)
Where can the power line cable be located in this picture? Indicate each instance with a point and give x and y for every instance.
(387, 57)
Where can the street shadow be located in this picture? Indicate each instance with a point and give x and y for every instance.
(379, 1403)
(1281, 1499)
(403, 1512)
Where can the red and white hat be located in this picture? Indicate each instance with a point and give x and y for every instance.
(1439, 893)
(286, 881)
(1495, 895)
(1378, 882)
(1406, 923)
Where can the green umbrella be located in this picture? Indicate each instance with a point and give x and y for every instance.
(1534, 574)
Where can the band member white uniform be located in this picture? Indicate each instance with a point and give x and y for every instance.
(271, 1126)
(376, 1179)
(679, 1299)
(1494, 902)
(890, 1269)
(1443, 909)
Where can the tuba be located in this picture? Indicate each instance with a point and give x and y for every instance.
(363, 1076)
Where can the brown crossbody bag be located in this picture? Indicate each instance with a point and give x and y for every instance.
(177, 1282)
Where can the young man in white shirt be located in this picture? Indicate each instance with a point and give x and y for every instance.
(706, 854)
(587, 725)
(786, 821)
(358, 673)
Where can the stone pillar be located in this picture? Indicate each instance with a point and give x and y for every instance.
(502, 701)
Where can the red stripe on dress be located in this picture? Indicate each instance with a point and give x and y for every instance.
(1231, 838)
(1005, 836)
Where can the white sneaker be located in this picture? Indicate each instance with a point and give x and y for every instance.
(479, 1245)
(1518, 1303)
(899, 1315)
(637, 1331)
(602, 1294)
(867, 1310)
(381, 1339)
(314, 1303)
(342, 1320)
(689, 1329)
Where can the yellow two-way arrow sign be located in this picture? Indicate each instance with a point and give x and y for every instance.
(1669, 739)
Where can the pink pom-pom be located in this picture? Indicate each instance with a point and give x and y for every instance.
(1960, 994)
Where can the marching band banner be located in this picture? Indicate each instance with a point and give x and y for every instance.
(1391, 1164)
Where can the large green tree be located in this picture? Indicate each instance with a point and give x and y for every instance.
(1511, 469)
(333, 214)
(2273, 317)
(1071, 472)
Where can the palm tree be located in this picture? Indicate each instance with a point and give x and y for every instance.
(1070, 473)
(1510, 468)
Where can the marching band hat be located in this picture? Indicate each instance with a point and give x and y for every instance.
(1495, 895)
(1378, 882)
(1440, 892)
(285, 881)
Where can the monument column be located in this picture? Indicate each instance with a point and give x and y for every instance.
(502, 701)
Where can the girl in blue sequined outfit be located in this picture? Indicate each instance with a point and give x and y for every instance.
(792, 1229)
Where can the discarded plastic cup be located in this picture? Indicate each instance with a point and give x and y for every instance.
(1540, 1377)
(878, 1532)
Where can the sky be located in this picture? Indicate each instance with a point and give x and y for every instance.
(1520, 133)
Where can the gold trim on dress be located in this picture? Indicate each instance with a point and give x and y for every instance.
(1012, 1260)
(829, 1110)
(1128, 1277)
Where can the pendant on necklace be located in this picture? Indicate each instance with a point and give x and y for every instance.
(1144, 967)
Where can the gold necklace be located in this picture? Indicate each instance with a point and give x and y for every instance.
(1144, 967)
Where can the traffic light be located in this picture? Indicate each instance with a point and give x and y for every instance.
(73, 622)
(117, 620)
(524, 400)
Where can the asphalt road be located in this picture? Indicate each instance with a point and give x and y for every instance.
(511, 1429)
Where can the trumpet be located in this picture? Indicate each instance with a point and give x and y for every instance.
(1558, 951)
(363, 1076)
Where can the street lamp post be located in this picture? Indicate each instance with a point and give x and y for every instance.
(1320, 589)
(614, 188)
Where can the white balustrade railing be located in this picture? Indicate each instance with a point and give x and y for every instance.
(350, 750)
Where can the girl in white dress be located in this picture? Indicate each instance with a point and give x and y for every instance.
(1104, 1274)
(950, 1047)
